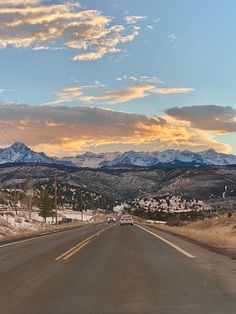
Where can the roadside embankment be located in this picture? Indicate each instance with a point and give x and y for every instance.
(20, 230)
(219, 231)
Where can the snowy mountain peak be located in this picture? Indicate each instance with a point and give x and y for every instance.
(210, 151)
(19, 145)
(20, 153)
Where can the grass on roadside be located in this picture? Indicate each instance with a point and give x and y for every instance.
(219, 231)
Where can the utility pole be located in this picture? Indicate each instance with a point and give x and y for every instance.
(92, 202)
(30, 197)
(102, 202)
(81, 205)
(81, 201)
(55, 198)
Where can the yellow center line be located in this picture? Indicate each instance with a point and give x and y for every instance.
(64, 256)
(75, 251)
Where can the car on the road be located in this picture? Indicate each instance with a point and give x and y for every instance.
(126, 220)
(111, 220)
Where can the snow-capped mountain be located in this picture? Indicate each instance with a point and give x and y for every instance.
(91, 160)
(20, 153)
(133, 158)
(214, 158)
(169, 158)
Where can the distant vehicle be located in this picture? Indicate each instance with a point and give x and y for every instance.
(111, 220)
(126, 220)
(65, 220)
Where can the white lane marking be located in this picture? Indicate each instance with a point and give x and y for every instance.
(167, 242)
(38, 237)
(26, 240)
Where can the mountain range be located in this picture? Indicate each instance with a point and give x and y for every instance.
(20, 153)
(167, 158)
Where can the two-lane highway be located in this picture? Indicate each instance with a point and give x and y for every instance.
(117, 270)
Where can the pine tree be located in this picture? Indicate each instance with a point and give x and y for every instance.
(46, 205)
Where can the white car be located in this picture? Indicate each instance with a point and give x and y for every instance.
(126, 220)
(111, 220)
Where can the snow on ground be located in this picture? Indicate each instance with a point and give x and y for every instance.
(13, 224)
(85, 216)
(171, 204)
(120, 208)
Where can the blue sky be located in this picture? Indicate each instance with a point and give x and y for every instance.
(179, 54)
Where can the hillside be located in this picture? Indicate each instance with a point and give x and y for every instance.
(129, 183)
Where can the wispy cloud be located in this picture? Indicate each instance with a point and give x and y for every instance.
(1, 91)
(133, 19)
(80, 94)
(68, 130)
(43, 26)
(133, 92)
(142, 79)
(19, 2)
(72, 94)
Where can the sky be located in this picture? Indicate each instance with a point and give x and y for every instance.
(118, 75)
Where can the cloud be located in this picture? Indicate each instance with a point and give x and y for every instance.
(19, 2)
(172, 37)
(207, 117)
(72, 94)
(120, 96)
(133, 19)
(135, 92)
(79, 94)
(175, 90)
(69, 130)
(157, 20)
(43, 26)
(1, 91)
(142, 79)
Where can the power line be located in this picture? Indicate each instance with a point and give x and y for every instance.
(9, 138)
(3, 143)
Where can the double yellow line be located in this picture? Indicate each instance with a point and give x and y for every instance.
(65, 256)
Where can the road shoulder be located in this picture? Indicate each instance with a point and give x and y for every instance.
(231, 253)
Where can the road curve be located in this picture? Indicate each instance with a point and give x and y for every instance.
(115, 270)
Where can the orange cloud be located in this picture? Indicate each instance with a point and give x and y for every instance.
(68, 130)
(41, 26)
(19, 2)
(77, 94)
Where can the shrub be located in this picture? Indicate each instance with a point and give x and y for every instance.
(173, 221)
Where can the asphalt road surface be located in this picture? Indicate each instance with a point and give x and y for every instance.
(115, 270)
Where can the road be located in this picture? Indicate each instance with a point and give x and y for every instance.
(103, 269)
